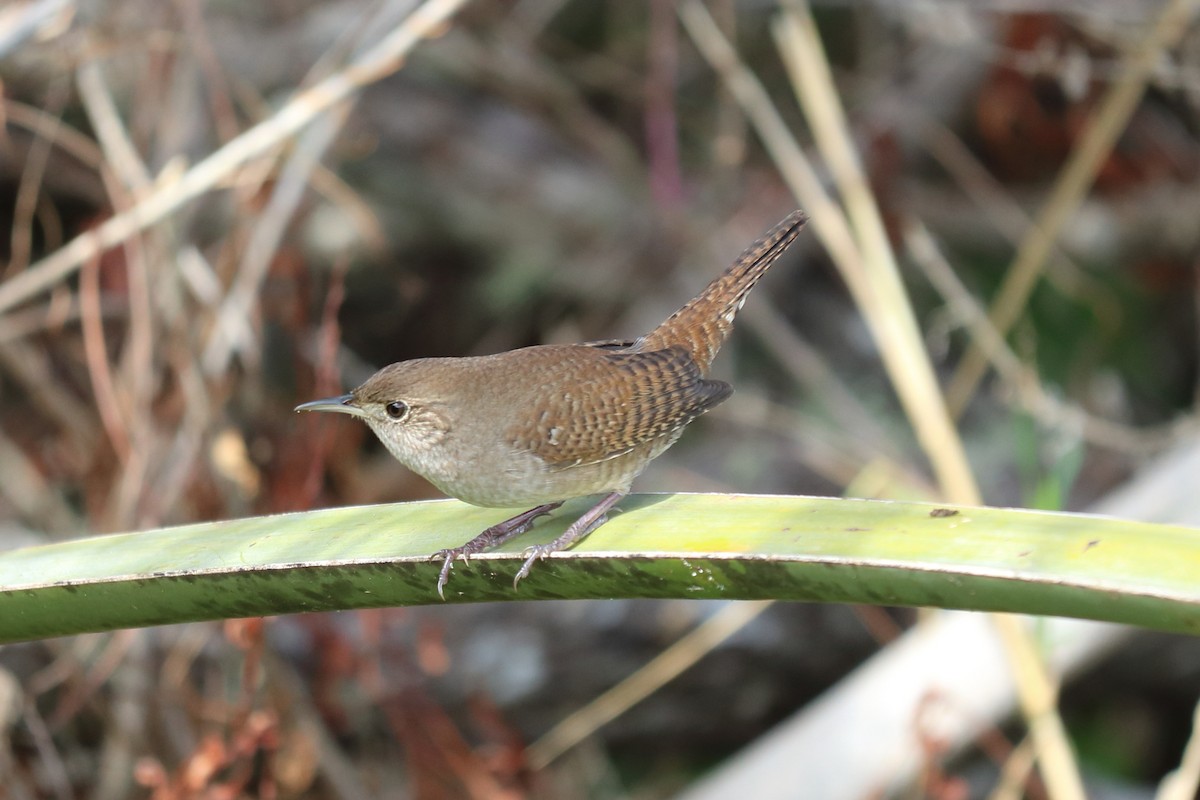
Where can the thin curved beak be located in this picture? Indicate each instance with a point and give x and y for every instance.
(342, 405)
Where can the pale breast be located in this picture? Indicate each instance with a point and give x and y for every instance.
(526, 481)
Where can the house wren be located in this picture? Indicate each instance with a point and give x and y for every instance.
(540, 425)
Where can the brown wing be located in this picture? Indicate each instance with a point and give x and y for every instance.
(616, 401)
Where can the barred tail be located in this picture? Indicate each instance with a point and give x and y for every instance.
(703, 324)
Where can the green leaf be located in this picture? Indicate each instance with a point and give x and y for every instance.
(681, 546)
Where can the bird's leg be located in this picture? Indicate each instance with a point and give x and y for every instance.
(596, 516)
(497, 534)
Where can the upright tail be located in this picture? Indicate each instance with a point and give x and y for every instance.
(704, 323)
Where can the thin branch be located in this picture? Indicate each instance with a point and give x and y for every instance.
(891, 316)
(108, 404)
(1022, 379)
(137, 357)
(29, 190)
(380, 61)
(1072, 186)
(231, 331)
(664, 668)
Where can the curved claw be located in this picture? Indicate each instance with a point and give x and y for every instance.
(533, 554)
(449, 556)
(497, 534)
(444, 576)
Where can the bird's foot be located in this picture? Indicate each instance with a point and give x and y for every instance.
(449, 555)
(532, 554)
(537, 552)
(594, 518)
(497, 534)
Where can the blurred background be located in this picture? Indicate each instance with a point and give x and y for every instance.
(549, 171)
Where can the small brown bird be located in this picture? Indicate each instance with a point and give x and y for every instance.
(541, 425)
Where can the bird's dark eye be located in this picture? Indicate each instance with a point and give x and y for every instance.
(396, 409)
